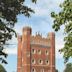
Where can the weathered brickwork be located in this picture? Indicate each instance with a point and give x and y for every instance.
(35, 53)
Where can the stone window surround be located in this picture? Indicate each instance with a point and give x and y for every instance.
(33, 61)
(46, 52)
(47, 62)
(40, 61)
(33, 51)
(39, 51)
(33, 70)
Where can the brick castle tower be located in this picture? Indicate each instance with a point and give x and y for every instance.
(35, 53)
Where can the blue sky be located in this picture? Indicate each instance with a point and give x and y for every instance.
(40, 21)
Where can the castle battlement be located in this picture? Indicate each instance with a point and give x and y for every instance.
(39, 40)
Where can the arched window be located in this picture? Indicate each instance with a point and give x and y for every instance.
(46, 52)
(33, 61)
(33, 70)
(47, 62)
(33, 51)
(40, 61)
(39, 51)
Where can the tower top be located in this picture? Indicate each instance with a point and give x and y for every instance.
(27, 28)
(51, 34)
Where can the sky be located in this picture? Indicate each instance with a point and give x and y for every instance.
(42, 22)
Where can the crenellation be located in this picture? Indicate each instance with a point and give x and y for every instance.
(40, 40)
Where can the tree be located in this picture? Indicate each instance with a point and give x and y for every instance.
(9, 9)
(64, 17)
(56, 70)
(2, 69)
(68, 67)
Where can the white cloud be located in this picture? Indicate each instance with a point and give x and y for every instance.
(12, 47)
(41, 12)
(59, 44)
(44, 8)
(12, 51)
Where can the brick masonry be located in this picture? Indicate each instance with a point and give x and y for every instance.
(35, 53)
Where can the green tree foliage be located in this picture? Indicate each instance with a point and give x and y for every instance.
(64, 17)
(68, 67)
(56, 70)
(9, 9)
(2, 69)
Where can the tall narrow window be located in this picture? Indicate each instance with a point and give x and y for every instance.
(39, 51)
(40, 61)
(33, 51)
(46, 52)
(47, 62)
(33, 61)
(33, 70)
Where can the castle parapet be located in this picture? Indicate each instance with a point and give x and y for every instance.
(39, 40)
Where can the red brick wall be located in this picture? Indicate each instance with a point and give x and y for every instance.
(52, 51)
(25, 55)
(41, 56)
(19, 63)
(26, 49)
